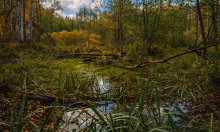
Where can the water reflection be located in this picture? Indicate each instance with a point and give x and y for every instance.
(79, 118)
(101, 85)
(180, 106)
(108, 107)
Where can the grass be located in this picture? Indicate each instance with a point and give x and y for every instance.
(137, 94)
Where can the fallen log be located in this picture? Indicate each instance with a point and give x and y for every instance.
(63, 102)
(87, 55)
(47, 99)
(142, 65)
(4, 107)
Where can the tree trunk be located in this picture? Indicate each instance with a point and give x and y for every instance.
(215, 27)
(31, 20)
(10, 19)
(39, 20)
(51, 20)
(197, 30)
(161, 4)
(20, 22)
(201, 26)
(24, 19)
(144, 21)
(120, 26)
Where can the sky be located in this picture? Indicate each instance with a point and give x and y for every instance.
(70, 7)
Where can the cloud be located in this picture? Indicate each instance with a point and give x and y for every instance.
(77, 4)
(70, 7)
(63, 14)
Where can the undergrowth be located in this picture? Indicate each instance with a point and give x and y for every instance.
(139, 95)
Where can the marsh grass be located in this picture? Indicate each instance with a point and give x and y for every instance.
(140, 96)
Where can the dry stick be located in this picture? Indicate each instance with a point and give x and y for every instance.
(169, 58)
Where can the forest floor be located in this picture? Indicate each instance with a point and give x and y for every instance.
(36, 70)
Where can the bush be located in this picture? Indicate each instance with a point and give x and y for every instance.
(94, 39)
(10, 56)
(215, 55)
(157, 52)
(214, 74)
(63, 49)
(136, 52)
(75, 37)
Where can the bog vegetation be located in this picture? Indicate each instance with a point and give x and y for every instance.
(155, 62)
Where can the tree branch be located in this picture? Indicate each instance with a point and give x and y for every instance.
(169, 58)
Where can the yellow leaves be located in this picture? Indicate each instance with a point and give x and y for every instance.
(76, 37)
(69, 38)
(94, 39)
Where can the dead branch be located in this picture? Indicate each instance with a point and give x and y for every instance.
(142, 65)
(4, 107)
(64, 102)
(87, 55)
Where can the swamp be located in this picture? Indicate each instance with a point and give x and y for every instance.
(109, 65)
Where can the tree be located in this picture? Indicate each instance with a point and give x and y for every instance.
(31, 20)
(214, 9)
(199, 13)
(144, 13)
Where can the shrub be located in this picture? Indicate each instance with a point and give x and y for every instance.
(136, 52)
(214, 74)
(94, 39)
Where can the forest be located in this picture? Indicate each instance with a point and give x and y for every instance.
(110, 65)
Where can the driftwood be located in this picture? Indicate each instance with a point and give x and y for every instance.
(87, 55)
(142, 65)
(64, 102)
